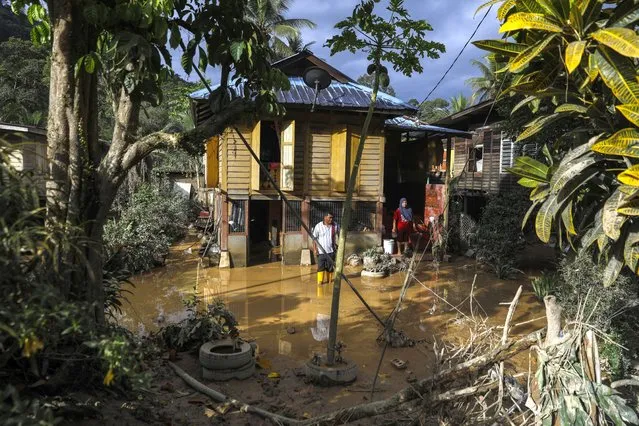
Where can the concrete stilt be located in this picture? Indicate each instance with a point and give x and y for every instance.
(225, 259)
(306, 257)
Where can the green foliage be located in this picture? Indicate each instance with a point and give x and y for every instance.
(24, 82)
(582, 285)
(145, 228)
(492, 79)
(200, 325)
(16, 410)
(499, 238)
(579, 60)
(545, 285)
(459, 103)
(398, 40)
(12, 25)
(284, 33)
(367, 80)
(433, 110)
(42, 330)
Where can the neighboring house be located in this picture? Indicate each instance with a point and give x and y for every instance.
(30, 155)
(481, 163)
(310, 155)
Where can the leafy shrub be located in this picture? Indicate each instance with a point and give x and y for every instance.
(582, 284)
(45, 326)
(200, 326)
(499, 238)
(613, 310)
(545, 285)
(17, 410)
(145, 228)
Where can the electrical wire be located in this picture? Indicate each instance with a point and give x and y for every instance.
(459, 54)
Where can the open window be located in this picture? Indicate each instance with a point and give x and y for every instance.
(476, 159)
(275, 144)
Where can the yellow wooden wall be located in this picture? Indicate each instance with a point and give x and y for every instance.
(238, 162)
(313, 156)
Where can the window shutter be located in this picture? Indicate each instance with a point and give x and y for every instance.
(287, 146)
(506, 154)
(529, 149)
(338, 160)
(255, 166)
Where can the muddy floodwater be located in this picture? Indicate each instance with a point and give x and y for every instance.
(286, 312)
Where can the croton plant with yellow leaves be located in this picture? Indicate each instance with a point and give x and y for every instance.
(578, 58)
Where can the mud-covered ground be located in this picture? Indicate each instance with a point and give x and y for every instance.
(285, 312)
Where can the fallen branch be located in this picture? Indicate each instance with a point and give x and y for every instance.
(504, 339)
(624, 382)
(219, 397)
(424, 387)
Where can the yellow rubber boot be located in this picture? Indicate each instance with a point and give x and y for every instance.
(321, 290)
(320, 277)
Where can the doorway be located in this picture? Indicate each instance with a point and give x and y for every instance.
(265, 227)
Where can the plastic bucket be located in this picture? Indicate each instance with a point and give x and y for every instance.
(389, 246)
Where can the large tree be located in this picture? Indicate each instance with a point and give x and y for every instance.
(125, 42)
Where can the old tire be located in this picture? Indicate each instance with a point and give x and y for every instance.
(241, 373)
(370, 274)
(212, 355)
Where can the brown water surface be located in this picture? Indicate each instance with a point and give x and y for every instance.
(284, 309)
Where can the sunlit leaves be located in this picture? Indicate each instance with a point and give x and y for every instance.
(500, 46)
(630, 176)
(619, 74)
(631, 112)
(624, 143)
(527, 21)
(574, 52)
(622, 40)
(520, 62)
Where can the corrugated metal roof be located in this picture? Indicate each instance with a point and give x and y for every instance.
(415, 125)
(337, 95)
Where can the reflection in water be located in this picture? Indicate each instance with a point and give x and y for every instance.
(269, 299)
(320, 331)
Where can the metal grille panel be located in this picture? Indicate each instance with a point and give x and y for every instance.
(292, 223)
(363, 218)
(237, 222)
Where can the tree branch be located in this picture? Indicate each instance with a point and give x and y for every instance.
(196, 137)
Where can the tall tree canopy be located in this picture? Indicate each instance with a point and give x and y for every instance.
(24, 82)
(125, 43)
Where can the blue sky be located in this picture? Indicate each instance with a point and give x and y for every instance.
(452, 22)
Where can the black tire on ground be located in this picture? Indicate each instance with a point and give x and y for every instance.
(216, 360)
(241, 373)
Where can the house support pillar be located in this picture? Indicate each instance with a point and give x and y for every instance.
(306, 218)
(447, 184)
(225, 258)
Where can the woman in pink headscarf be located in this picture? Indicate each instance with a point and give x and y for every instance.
(403, 225)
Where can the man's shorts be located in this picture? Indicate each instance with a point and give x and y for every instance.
(324, 262)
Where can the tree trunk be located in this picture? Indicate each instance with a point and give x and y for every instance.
(346, 221)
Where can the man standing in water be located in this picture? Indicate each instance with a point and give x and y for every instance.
(326, 234)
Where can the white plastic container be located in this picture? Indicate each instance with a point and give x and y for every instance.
(389, 246)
